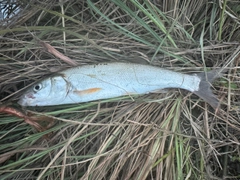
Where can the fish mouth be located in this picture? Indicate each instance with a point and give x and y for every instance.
(25, 100)
(22, 102)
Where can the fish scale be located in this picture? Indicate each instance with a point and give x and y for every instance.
(93, 82)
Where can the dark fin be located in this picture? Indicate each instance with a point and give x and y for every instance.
(205, 91)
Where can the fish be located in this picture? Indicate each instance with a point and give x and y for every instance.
(109, 80)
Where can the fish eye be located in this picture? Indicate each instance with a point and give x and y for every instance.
(37, 87)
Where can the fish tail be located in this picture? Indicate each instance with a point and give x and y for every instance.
(205, 91)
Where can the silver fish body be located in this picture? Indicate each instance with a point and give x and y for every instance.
(102, 81)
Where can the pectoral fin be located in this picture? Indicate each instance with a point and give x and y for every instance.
(86, 91)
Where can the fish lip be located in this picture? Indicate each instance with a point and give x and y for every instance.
(25, 100)
(22, 102)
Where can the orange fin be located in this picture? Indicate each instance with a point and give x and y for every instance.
(87, 91)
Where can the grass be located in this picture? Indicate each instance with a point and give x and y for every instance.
(171, 135)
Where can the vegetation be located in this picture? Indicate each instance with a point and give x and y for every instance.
(171, 135)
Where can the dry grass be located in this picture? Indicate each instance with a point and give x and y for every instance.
(172, 135)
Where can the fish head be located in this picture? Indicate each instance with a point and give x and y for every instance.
(44, 93)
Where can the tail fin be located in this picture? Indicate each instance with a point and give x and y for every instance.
(204, 91)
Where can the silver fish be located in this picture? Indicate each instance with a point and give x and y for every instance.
(93, 82)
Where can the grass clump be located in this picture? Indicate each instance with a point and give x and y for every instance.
(172, 135)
